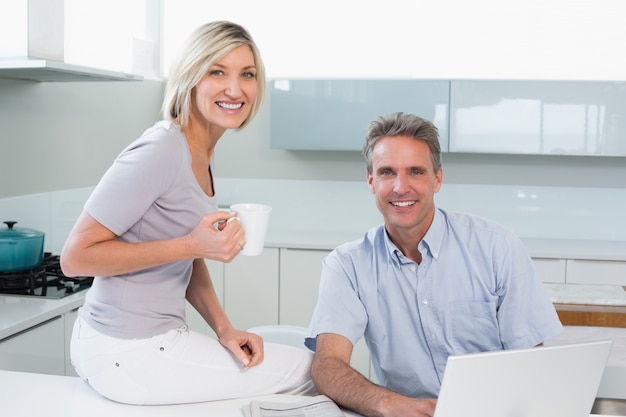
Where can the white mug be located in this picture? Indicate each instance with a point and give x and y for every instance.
(254, 219)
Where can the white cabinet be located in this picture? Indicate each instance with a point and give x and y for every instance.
(299, 281)
(251, 289)
(550, 270)
(194, 319)
(596, 272)
(300, 272)
(40, 349)
(537, 117)
(68, 321)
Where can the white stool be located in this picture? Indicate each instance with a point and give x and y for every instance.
(283, 334)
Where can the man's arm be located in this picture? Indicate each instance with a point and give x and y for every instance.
(334, 378)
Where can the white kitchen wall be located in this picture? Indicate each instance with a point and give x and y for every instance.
(58, 136)
(440, 39)
(331, 212)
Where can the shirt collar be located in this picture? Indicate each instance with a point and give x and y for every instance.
(432, 241)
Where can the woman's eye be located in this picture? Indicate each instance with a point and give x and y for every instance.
(249, 75)
(216, 72)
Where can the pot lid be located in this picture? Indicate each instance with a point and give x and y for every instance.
(19, 232)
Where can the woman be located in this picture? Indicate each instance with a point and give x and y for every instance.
(145, 232)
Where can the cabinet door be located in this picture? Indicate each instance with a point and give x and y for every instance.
(550, 270)
(194, 319)
(537, 117)
(68, 321)
(299, 281)
(40, 349)
(251, 289)
(596, 272)
(298, 105)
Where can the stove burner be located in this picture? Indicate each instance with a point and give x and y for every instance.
(46, 280)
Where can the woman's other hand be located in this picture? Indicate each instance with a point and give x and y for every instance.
(247, 347)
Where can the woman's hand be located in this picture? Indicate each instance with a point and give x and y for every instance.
(218, 236)
(247, 347)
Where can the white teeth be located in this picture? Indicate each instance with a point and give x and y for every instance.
(403, 203)
(229, 106)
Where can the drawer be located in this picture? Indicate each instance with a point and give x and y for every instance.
(550, 270)
(595, 272)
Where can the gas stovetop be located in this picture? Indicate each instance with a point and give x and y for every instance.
(46, 280)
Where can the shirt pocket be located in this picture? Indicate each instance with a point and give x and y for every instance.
(475, 326)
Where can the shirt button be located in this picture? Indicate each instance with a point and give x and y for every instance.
(413, 268)
(425, 301)
(433, 337)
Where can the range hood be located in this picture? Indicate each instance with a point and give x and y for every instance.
(39, 55)
(34, 69)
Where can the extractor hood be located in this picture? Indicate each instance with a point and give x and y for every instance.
(35, 69)
(39, 55)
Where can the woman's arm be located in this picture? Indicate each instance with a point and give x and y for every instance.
(93, 250)
(247, 347)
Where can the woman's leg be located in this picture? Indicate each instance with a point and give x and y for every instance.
(184, 367)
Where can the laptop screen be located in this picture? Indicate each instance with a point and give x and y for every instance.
(551, 381)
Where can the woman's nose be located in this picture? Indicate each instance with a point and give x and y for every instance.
(233, 89)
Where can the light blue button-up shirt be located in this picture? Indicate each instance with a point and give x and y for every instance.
(475, 290)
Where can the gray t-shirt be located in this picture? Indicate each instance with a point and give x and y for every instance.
(149, 193)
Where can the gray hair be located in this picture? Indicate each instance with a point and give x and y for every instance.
(207, 45)
(403, 124)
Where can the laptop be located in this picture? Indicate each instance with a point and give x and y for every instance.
(545, 381)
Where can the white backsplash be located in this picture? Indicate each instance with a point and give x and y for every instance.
(569, 213)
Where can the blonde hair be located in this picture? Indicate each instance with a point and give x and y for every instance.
(207, 45)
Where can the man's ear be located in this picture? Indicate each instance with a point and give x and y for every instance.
(369, 179)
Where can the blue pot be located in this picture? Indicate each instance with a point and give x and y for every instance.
(20, 248)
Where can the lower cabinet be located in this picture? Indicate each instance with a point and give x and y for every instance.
(300, 271)
(68, 321)
(579, 271)
(550, 270)
(596, 272)
(40, 349)
(251, 289)
(194, 319)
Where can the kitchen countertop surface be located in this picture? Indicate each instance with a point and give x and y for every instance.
(324, 239)
(64, 396)
(604, 295)
(19, 313)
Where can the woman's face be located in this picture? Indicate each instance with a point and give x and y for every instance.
(224, 96)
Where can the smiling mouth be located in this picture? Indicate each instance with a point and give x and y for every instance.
(403, 203)
(230, 106)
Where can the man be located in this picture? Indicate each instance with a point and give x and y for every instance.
(427, 284)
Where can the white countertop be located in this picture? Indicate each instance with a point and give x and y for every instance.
(37, 395)
(19, 313)
(604, 295)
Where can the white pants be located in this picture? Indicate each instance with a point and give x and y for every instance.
(182, 366)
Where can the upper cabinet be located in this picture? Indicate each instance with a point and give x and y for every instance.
(72, 40)
(335, 114)
(538, 117)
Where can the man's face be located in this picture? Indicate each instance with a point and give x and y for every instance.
(404, 183)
